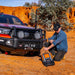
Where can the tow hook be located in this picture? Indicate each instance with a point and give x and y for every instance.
(6, 53)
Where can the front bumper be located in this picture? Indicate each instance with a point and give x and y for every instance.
(25, 44)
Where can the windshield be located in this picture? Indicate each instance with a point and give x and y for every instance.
(10, 20)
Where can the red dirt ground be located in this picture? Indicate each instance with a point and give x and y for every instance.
(23, 65)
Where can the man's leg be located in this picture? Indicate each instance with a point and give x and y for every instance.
(53, 50)
(59, 55)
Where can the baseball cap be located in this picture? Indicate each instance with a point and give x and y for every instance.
(56, 26)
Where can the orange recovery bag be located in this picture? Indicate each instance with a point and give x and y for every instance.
(47, 60)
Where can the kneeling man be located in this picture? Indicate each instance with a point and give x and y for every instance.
(57, 44)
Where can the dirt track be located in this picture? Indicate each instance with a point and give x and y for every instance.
(23, 65)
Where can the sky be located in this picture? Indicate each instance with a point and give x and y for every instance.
(14, 3)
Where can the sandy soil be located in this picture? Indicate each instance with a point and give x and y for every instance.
(24, 65)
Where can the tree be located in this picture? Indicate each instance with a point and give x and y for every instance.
(74, 3)
(34, 4)
(33, 14)
(51, 11)
(27, 4)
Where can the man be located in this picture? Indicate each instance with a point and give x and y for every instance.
(59, 42)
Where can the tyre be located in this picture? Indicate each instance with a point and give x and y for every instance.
(0, 52)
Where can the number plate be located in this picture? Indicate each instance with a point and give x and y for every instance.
(29, 45)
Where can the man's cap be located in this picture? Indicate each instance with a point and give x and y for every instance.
(56, 26)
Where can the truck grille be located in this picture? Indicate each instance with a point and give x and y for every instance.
(30, 43)
(25, 34)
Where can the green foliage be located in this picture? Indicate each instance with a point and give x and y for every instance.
(74, 3)
(34, 4)
(27, 4)
(51, 11)
(32, 20)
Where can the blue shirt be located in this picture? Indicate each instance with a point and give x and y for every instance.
(60, 40)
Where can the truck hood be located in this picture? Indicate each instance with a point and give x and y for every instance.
(17, 26)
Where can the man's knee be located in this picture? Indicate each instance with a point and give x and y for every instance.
(56, 59)
(59, 56)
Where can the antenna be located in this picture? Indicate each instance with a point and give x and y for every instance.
(36, 20)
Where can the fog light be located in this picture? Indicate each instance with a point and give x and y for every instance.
(37, 35)
(9, 42)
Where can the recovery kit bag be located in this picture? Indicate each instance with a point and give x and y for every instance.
(47, 60)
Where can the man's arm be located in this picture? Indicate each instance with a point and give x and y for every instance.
(51, 41)
(47, 48)
(53, 37)
(59, 39)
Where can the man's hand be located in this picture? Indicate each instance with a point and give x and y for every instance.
(51, 41)
(46, 48)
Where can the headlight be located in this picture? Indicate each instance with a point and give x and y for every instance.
(9, 42)
(37, 35)
(4, 31)
(21, 34)
(1, 31)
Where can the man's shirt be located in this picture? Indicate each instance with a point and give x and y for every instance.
(60, 40)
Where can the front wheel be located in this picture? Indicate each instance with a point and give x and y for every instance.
(0, 52)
